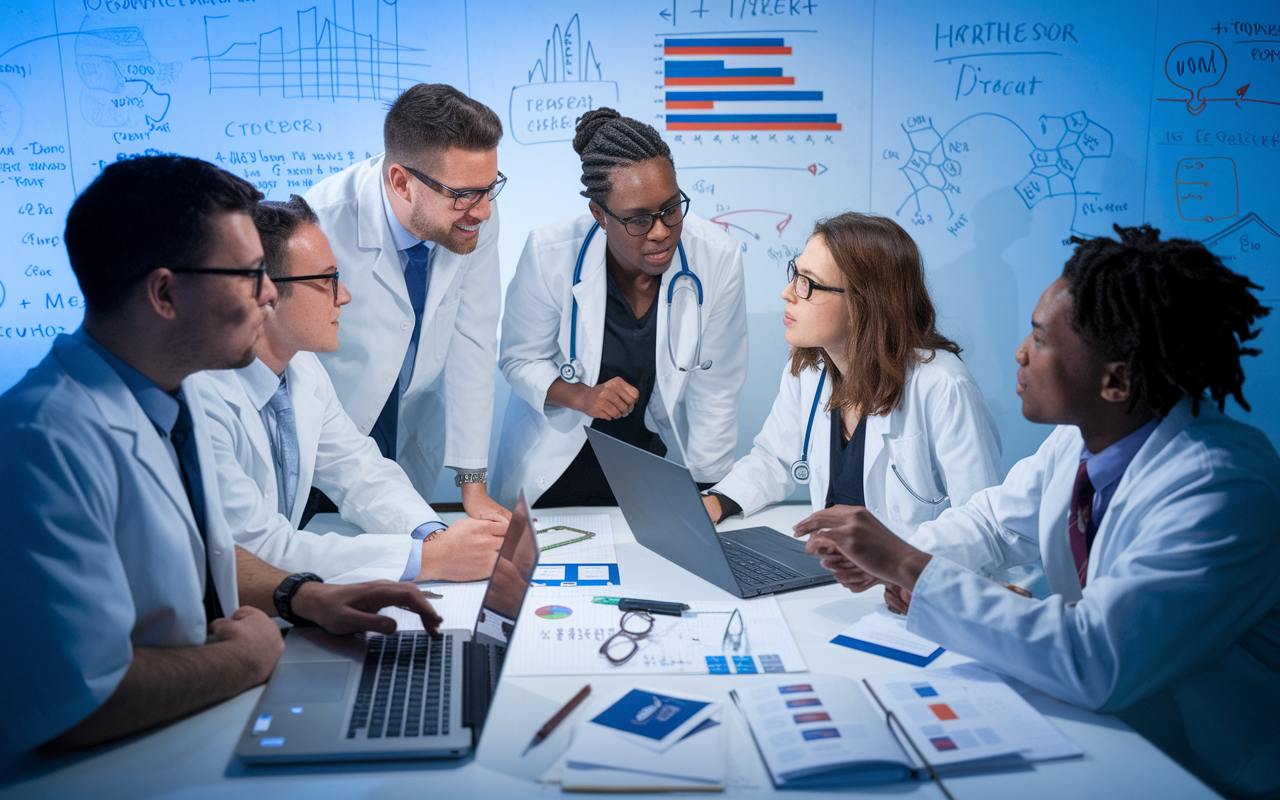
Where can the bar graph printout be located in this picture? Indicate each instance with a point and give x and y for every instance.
(560, 633)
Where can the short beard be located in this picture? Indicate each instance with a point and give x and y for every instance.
(424, 228)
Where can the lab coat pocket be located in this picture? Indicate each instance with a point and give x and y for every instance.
(445, 317)
(912, 489)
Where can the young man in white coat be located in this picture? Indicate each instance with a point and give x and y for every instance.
(118, 563)
(589, 337)
(1155, 515)
(417, 238)
(278, 429)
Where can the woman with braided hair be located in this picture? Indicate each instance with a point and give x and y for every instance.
(1154, 513)
(630, 318)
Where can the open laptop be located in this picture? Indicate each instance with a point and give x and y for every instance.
(407, 695)
(664, 509)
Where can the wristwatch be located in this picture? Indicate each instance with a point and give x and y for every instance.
(284, 593)
(480, 476)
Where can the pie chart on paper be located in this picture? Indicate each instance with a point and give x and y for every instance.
(554, 612)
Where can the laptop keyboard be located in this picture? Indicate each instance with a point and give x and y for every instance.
(404, 687)
(752, 569)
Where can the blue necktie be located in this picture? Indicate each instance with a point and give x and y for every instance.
(285, 448)
(184, 442)
(416, 278)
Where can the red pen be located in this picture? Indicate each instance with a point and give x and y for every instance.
(554, 722)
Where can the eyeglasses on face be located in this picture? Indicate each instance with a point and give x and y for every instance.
(463, 199)
(258, 274)
(804, 285)
(330, 276)
(641, 224)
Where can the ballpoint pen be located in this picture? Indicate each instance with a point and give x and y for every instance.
(551, 724)
(636, 604)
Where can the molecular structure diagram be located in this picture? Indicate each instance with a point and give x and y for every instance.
(931, 165)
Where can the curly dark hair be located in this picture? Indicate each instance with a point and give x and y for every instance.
(1170, 309)
(605, 139)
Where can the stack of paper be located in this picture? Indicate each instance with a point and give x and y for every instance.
(644, 740)
(884, 633)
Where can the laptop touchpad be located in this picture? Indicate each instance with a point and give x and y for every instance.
(308, 682)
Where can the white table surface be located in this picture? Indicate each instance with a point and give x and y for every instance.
(192, 758)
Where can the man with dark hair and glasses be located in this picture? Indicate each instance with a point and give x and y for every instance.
(279, 429)
(416, 233)
(118, 562)
(630, 318)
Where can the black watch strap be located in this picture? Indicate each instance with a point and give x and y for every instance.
(284, 593)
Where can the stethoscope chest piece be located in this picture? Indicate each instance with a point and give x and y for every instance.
(800, 471)
(569, 371)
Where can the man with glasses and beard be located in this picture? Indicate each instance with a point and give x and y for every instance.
(117, 563)
(417, 237)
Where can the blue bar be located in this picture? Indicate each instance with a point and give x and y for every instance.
(722, 43)
(704, 96)
(681, 66)
(751, 118)
(767, 72)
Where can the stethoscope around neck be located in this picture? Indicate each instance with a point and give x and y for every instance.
(572, 370)
(800, 469)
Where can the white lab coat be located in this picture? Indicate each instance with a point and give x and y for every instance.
(695, 413)
(447, 410)
(101, 553)
(1179, 625)
(941, 438)
(370, 491)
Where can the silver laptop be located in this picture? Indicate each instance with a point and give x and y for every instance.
(407, 695)
(664, 509)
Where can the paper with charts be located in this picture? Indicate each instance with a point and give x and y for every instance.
(576, 550)
(560, 632)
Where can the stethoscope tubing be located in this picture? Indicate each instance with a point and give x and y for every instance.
(572, 370)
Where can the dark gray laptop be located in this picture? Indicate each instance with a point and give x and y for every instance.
(407, 695)
(664, 509)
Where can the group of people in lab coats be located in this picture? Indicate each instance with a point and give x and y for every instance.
(244, 363)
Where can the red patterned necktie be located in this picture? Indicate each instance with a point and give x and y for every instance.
(1078, 521)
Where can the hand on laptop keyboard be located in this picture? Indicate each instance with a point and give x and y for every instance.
(354, 607)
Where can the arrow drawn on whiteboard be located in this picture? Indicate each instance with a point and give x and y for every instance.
(751, 220)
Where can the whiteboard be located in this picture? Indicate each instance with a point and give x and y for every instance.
(992, 131)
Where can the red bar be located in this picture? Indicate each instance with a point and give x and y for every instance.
(731, 81)
(690, 104)
(754, 126)
(943, 711)
(727, 51)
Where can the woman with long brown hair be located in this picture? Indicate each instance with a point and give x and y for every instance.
(875, 407)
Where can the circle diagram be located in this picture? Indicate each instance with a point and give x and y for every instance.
(554, 612)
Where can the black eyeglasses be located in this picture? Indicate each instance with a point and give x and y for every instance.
(641, 224)
(620, 647)
(258, 273)
(463, 199)
(321, 277)
(805, 285)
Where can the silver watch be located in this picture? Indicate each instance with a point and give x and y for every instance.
(480, 476)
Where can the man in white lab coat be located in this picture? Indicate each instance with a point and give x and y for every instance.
(417, 239)
(1155, 515)
(278, 429)
(117, 562)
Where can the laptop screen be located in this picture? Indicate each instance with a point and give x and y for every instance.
(511, 575)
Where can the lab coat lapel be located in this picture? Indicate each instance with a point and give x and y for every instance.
(1055, 542)
(671, 381)
(218, 543)
(592, 296)
(121, 411)
(819, 439)
(373, 232)
(251, 421)
(308, 415)
(876, 456)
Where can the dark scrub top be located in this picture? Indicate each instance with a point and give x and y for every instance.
(846, 487)
(628, 353)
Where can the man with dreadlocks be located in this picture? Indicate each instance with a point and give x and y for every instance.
(1155, 515)
(631, 318)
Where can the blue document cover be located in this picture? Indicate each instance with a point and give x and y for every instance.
(653, 716)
